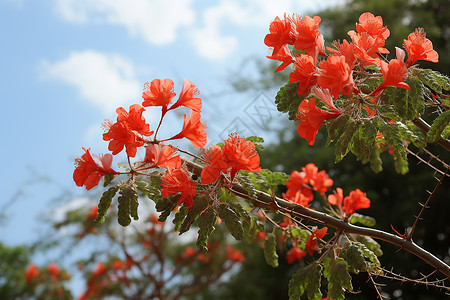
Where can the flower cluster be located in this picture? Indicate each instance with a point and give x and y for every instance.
(337, 73)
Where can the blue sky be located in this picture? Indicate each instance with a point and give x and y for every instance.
(66, 65)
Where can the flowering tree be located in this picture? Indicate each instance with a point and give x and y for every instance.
(369, 104)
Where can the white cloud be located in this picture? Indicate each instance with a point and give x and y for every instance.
(106, 80)
(156, 21)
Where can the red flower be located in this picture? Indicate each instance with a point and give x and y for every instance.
(345, 49)
(234, 254)
(335, 74)
(283, 55)
(280, 34)
(237, 154)
(373, 26)
(92, 215)
(311, 243)
(307, 36)
(297, 191)
(189, 252)
(295, 254)
(187, 97)
(90, 169)
(178, 181)
(31, 273)
(337, 198)
(158, 93)
(99, 270)
(125, 132)
(304, 72)
(309, 172)
(321, 181)
(311, 118)
(193, 130)
(54, 271)
(394, 74)
(162, 156)
(419, 47)
(356, 200)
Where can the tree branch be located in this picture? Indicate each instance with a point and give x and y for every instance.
(419, 122)
(265, 200)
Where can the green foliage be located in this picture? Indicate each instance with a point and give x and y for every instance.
(339, 279)
(363, 140)
(407, 104)
(199, 205)
(435, 80)
(257, 141)
(308, 280)
(206, 222)
(376, 164)
(337, 126)
(179, 217)
(12, 266)
(287, 99)
(270, 250)
(108, 178)
(128, 204)
(365, 220)
(166, 206)
(342, 145)
(354, 258)
(391, 132)
(438, 126)
(232, 220)
(105, 203)
(372, 245)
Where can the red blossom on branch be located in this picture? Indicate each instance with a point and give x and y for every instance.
(419, 47)
(311, 243)
(178, 181)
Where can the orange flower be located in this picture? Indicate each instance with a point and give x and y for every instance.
(178, 181)
(54, 271)
(304, 72)
(31, 273)
(394, 74)
(297, 191)
(356, 200)
(90, 169)
(99, 270)
(307, 36)
(193, 130)
(124, 133)
(373, 26)
(237, 154)
(337, 198)
(283, 55)
(309, 172)
(335, 74)
(189, 252)
(280, 34)
(234, 254)
(311, 243)
(345, 49)
(295, 254)
(187, 97)
(158, 93)
(162, 156)
(311, 118)
(419, 47)
(321, 181)
(92, 215)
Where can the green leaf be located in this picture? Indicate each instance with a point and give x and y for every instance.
(391, 132)
(341, 148)
(270, 251)
(287, 99)
(105, 203)
(438, 126)
(388, 112)
(257, 141)
(446, 132)
(376, 163)
(372, 245)
(127, 205)
(306, 279)
(435, 80)
(232, 221)
(180, 215)
(367, 253)
(206, 222)
(363, 140)
(108, 178)
(199, 205)
(339, 280)
(354, 258)
(411, 132)
(336, 127)
(166, 205)
(152, 191)
(365, 220)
